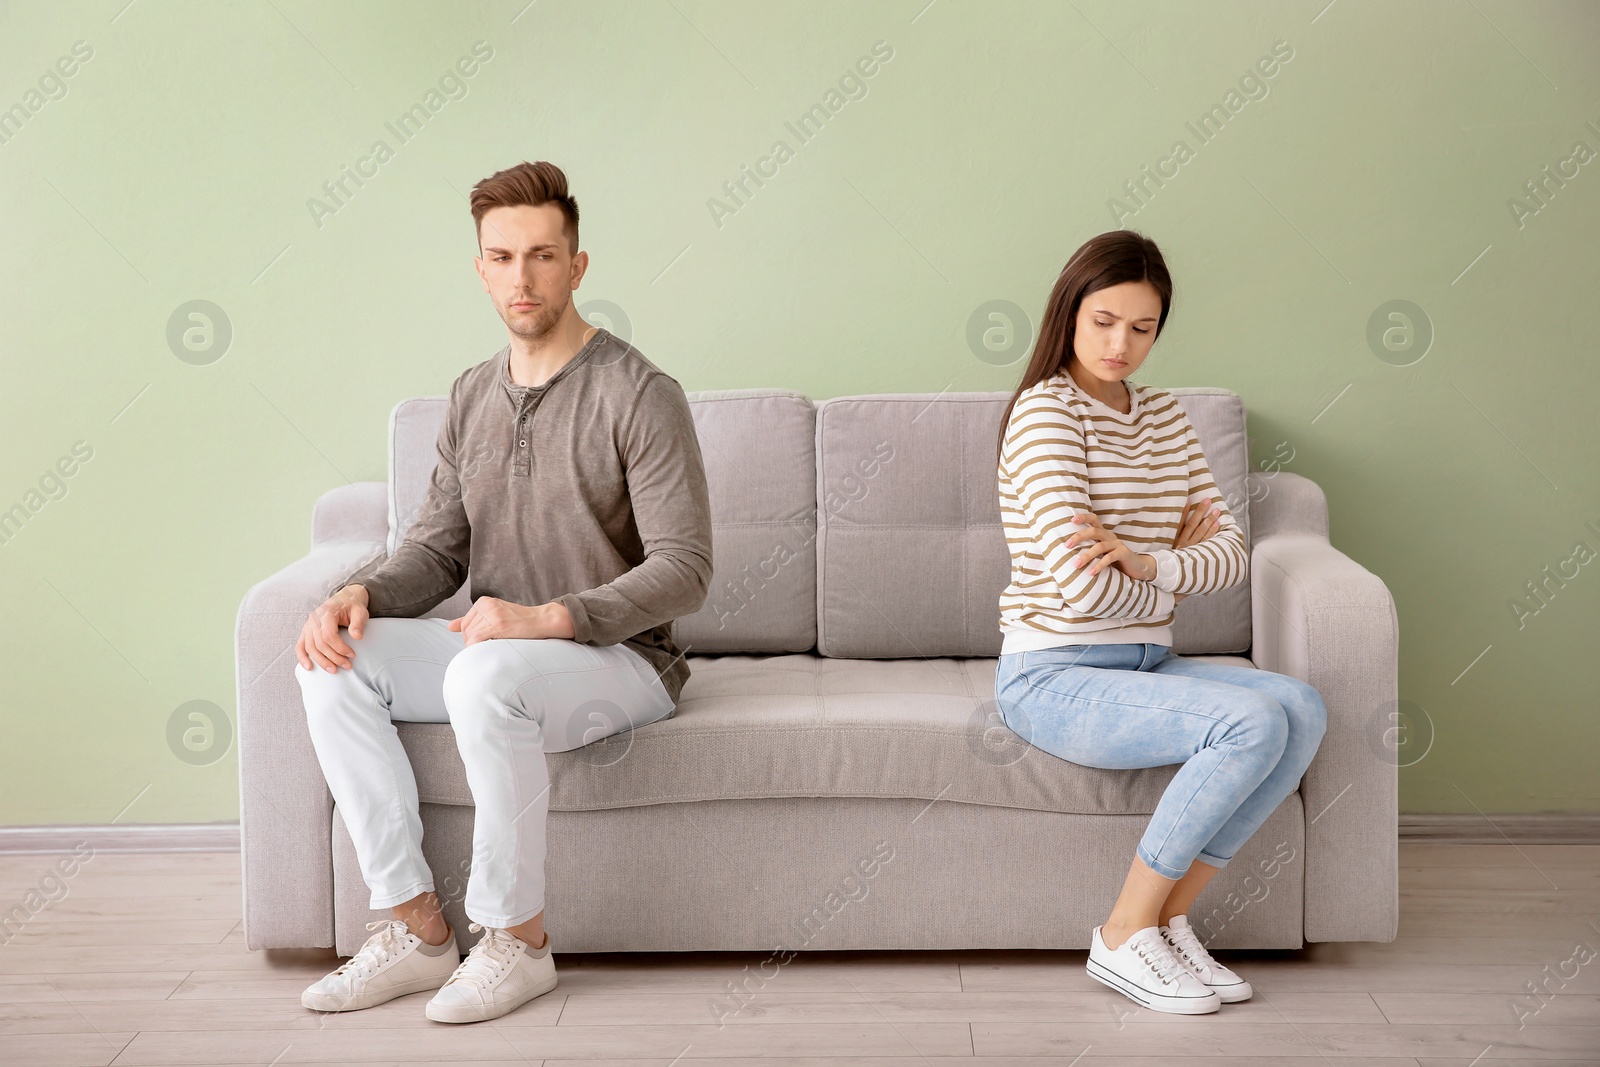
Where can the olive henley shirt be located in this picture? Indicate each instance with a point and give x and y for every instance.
(588, 490)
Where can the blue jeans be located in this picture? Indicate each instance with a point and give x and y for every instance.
(1244, 736)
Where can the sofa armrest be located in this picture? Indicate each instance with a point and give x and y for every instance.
(1318, 615)
(355, 512)
(1291, 503)
(285, 809)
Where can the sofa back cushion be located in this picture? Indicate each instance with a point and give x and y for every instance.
(414, 426)
(911, 560)
(759, 450)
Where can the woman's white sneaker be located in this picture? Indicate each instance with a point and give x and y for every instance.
(499, 975)
(1186, 943)
(393, 963)
(1145, 970)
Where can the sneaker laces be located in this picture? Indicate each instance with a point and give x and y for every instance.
(1187, 943)
(379, 947)
(1160, 957)
(484, 962)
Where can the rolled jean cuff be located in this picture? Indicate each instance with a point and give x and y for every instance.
(395, 900)
(1163, 869)
(1215, 861)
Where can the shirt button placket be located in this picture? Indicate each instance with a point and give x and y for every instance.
(521, 435)
(522, 465)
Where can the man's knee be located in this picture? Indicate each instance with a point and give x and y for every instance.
(318, 689)
(478, 680)
(316, 677)
(357, 645)
(319, 686)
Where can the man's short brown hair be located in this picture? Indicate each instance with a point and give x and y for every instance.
(532, 184)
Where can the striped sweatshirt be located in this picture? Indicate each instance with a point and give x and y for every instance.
(1066, 452)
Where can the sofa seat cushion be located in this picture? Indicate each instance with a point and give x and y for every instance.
(803, 725)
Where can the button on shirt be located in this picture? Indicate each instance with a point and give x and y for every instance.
(588, 490)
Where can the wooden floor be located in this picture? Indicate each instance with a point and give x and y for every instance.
(142, 962)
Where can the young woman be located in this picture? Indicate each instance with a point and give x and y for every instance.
(1112, 516)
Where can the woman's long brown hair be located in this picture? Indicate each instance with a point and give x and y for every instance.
(1110, 259)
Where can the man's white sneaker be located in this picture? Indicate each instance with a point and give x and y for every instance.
(393, 963)
(500, 974)
(1144, 969)
(1186, 943)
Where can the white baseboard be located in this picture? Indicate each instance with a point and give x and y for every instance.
(1541, 828)
(150, 837)
(1552, 828)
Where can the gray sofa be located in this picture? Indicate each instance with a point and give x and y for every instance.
(836, 775)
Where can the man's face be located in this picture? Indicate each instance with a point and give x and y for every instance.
(527, 267)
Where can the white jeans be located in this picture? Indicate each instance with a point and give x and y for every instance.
(509, 702)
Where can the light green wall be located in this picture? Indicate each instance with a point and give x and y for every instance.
(1378, 167)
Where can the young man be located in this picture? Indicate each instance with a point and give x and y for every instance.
(569, 479)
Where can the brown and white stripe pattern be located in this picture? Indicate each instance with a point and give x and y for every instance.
(1135, 472)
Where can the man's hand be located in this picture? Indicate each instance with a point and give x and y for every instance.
(492, 619)
(319, 638)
